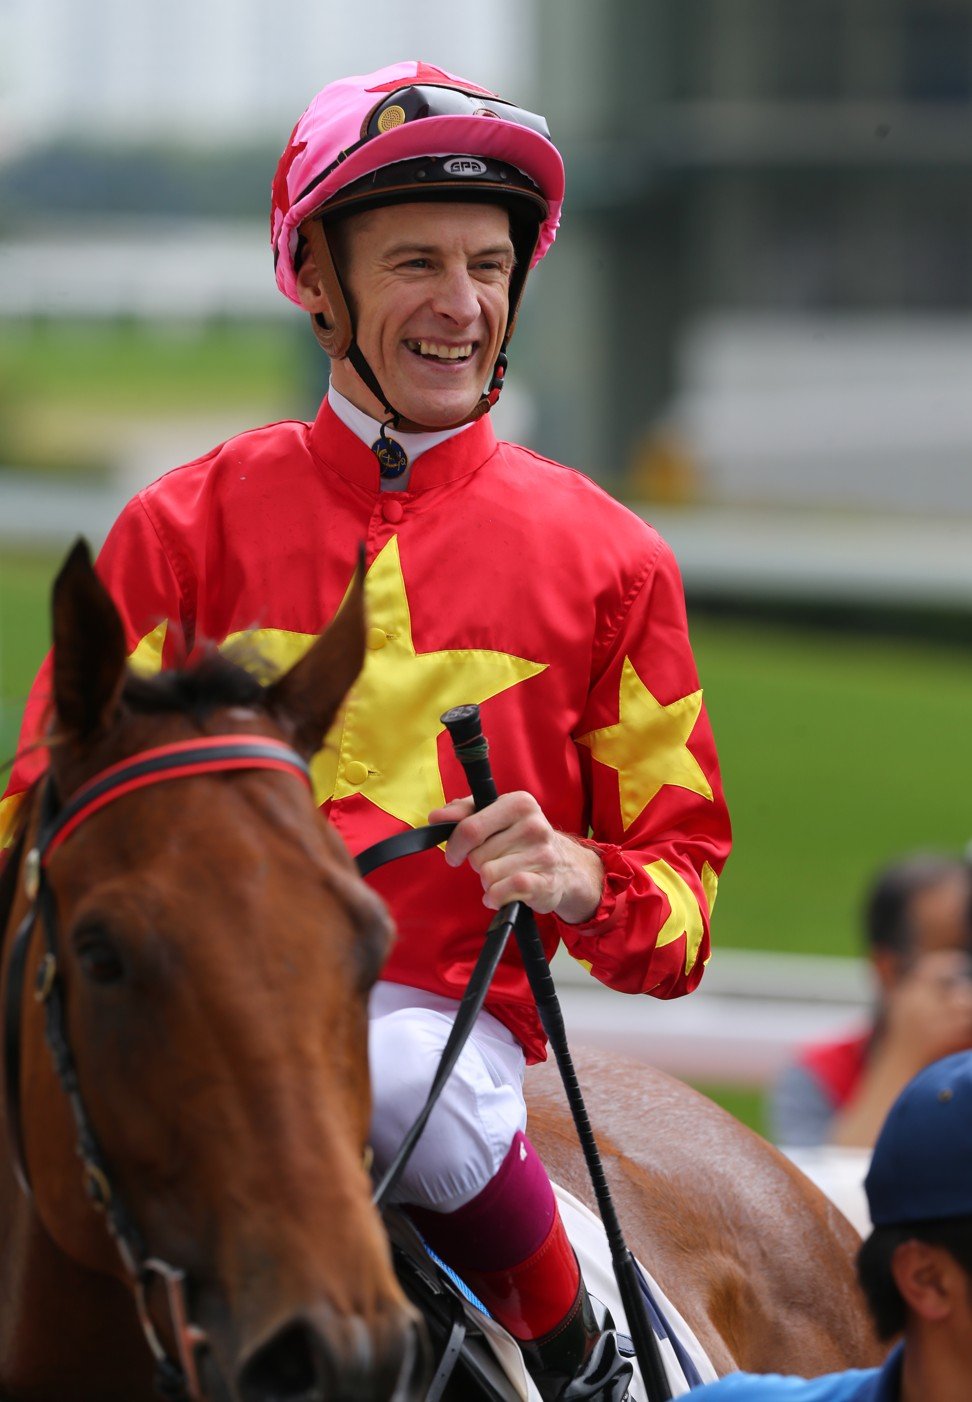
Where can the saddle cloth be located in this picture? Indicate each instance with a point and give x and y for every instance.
(686, 1363)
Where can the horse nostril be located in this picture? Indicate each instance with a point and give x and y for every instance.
(320, 1356)
(285, 1369)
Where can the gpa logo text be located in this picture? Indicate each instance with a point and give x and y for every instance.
(464, 165)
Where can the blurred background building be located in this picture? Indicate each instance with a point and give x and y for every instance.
(763, 292)
(768, 299)
(756, 327)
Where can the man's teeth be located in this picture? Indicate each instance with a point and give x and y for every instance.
(437, 352)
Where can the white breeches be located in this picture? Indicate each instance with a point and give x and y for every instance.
(481, 1106)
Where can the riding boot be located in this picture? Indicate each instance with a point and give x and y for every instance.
(510, 1246)
(580, 1358)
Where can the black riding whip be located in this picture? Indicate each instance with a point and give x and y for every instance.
(472, 751)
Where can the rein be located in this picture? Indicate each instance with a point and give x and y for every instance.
(175, 1378)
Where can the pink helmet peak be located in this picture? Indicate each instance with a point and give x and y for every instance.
(337, 141)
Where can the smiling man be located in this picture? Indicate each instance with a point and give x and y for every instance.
(431, 309)
(408, 208)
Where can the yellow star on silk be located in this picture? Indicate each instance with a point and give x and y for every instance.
(649, 745)
(685, 917)
(146, 659)
(383, 744)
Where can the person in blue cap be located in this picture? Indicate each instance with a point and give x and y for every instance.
(916, 1266)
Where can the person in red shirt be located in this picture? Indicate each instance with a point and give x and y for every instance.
(918, 922)
(408, 207)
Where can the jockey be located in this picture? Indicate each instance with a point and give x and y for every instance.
(408, 208)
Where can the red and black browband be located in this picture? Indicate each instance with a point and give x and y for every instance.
(180, 760)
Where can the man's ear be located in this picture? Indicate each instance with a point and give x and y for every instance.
(929, 1279)
(311, 290)
(321, 294)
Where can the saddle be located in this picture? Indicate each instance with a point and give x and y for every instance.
(476, 1360)
(472, 1356)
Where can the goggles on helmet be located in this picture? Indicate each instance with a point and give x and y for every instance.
(413, 104)
(428, 100)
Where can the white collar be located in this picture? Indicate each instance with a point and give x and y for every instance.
(366, 428)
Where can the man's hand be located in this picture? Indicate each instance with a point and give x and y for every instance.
(520, 857)
(929, 1013)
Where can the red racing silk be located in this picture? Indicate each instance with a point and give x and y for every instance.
(498, 577)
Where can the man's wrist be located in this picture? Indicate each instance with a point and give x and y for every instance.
(585, 883)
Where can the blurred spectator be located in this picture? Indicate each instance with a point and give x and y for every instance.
(916, 1266)
(919, 933)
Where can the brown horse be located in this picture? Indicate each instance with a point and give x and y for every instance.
(201, 951)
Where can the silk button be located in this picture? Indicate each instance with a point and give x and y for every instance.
(377, 637)
(392, 509)
(355, 772)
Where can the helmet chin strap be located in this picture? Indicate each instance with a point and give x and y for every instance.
(398, 420)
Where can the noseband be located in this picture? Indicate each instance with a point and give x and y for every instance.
(184, 759)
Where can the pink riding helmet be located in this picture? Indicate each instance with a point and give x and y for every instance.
(330, 148)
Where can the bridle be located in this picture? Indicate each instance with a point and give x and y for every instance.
(176, 1378)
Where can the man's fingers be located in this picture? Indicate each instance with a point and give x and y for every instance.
(525, 886)
(475, 829)
(452, 812)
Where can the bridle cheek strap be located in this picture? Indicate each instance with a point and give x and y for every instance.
(175, 1378)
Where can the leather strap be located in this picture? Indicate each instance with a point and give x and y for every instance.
(402, 844)
(450, 1355)
(335, 338)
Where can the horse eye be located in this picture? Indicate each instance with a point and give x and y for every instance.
(99, 960)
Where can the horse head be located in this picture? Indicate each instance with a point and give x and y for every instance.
(214, 952)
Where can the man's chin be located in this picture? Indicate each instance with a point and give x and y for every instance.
(439, 411)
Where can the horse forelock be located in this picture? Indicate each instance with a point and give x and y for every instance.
(203, 685)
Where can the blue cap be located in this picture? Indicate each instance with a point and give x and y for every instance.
(922, 1163)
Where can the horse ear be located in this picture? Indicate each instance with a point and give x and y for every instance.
(89, 647)
(307, 698)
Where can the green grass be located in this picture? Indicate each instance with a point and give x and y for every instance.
(25, 581)
(745, 1102)
(152, 371)
(838, 753)
(68, 395)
